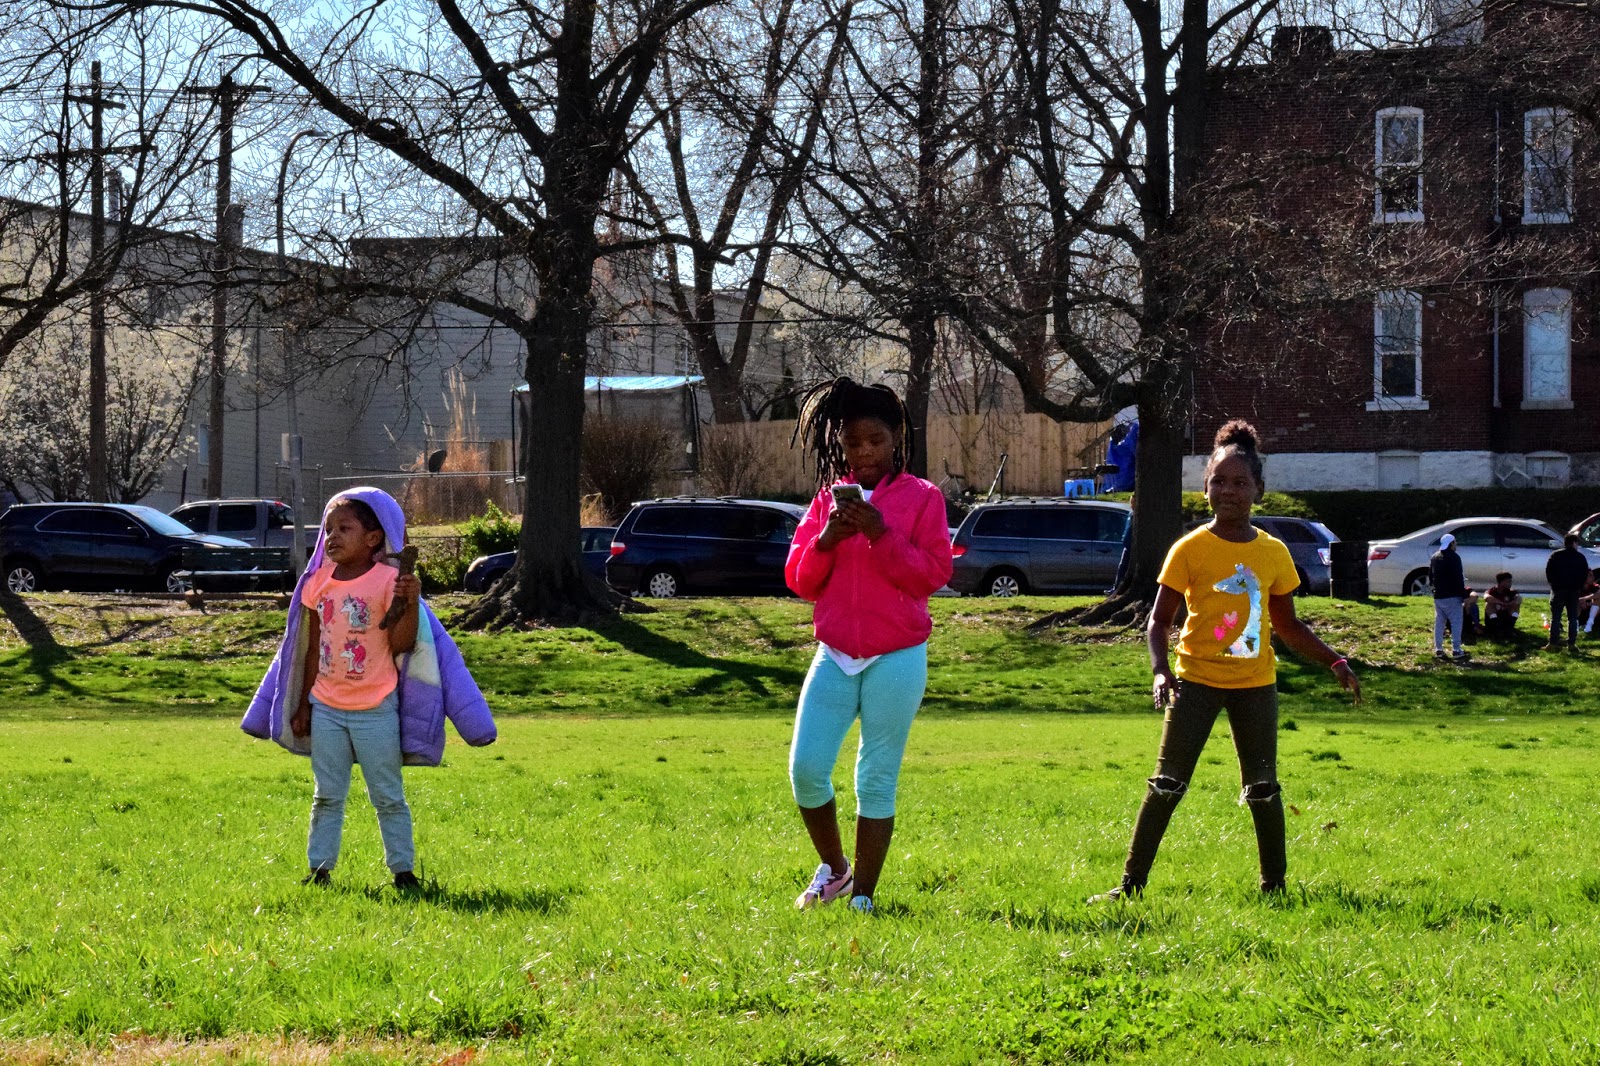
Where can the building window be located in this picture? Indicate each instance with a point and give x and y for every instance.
(1399, 164)
(1397, 352)
(1549, 470)
(1547, 348)
(1399, 469)
(1547, 166)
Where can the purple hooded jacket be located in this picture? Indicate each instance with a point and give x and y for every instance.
(434, 682)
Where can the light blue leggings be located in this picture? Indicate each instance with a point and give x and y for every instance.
(886, 695)
(340, 739)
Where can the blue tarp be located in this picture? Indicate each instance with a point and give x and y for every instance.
(624, 383)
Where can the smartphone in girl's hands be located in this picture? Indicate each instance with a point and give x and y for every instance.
(843, 494)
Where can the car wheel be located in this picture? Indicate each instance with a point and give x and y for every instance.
(23, 575)
(169, 581)
(662, 583)
(1005, 584)
(1418, 584)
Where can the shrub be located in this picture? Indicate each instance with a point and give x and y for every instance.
(730, 462)
(1378, 515)
(488, 533)
(624, 459)
(441, 564)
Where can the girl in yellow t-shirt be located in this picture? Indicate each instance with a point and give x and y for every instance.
(1238, 586)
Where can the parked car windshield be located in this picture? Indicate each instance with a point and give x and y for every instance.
(159, 522)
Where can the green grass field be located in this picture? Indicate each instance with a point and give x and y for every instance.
(612, 881)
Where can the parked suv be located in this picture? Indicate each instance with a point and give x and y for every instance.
(684, 544)
(124, 546)
(485, 570)
(1039, 545)
(1310, 546)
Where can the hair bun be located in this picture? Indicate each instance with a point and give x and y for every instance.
(1238, 433)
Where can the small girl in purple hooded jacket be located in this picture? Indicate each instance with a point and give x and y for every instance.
(870, 551)
(353, 682)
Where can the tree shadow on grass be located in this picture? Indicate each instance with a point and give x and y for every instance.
(44, 653)
(757, 677)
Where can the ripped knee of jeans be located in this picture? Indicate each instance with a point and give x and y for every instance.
(1168, 787)
(1260, 792)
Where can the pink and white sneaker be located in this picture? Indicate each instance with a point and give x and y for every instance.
(825, 887)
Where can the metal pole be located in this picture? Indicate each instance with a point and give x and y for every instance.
(286, 333)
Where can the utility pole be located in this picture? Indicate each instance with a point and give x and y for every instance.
(99, 487)
(227, 94)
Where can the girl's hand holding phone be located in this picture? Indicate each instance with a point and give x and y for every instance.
(836, 531)
(866, 519)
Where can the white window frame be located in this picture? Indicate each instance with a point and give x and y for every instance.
(1546, 301)
(1382, 166)
(1561, 122)
(1382, 401)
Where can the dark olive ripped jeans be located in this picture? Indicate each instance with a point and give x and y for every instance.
(1253, 719)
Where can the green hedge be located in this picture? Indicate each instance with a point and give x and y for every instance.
(1378, 515)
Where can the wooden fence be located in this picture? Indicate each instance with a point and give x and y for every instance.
(755, 458)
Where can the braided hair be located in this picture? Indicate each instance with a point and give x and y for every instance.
(1240, 438)
(824, 410)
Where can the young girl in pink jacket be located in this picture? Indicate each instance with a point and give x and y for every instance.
(871, 550)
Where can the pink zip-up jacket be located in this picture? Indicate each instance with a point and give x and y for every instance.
(872, 597)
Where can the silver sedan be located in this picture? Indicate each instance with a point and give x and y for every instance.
(1487, 546)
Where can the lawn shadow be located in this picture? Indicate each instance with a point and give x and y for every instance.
(535, 901)
(44, 652)
(759, 678)
(1129, 918)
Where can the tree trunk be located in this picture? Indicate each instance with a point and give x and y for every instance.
(1158, 499)
(922, 339)
(722, 381)
(549, 582)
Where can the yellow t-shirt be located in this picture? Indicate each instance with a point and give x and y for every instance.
(1227, 638)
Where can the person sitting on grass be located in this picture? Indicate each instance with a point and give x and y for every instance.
(336, 693)
(872, 548)
(1502, 606)
(1237, 583)
(1589, 603)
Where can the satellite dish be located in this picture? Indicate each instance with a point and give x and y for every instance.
(436, 460)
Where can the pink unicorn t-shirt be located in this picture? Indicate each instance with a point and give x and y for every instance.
(355, 669)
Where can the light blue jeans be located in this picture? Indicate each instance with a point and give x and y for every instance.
(885, 696)
(339, 740)
(1447, 614)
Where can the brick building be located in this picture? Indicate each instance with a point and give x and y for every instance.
(1406, 278)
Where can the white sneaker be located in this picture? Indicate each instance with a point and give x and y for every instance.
(825, 887)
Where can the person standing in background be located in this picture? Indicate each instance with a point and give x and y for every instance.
(1568, 572)
(1449, 583)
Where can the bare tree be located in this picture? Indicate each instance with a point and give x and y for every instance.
(102, 163)
(509, 123)
(1115, 99)
(740, 117)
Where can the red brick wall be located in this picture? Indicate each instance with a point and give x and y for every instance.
(1289, 186)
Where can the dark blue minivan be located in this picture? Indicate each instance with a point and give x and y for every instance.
(669, 547)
